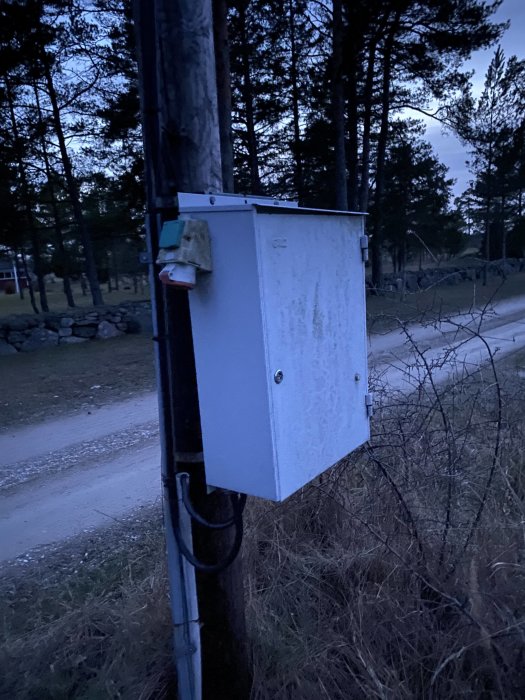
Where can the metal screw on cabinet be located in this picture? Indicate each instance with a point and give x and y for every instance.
(278, 376)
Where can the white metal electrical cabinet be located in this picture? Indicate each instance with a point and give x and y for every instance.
(279, 331)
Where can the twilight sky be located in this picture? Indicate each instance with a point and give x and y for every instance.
(447, 147)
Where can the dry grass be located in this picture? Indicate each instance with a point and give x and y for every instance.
(401, 573)
(91, 619)
(398, 574)
(377, 581)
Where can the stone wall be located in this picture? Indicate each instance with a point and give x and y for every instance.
(24, 333)
(416, 280)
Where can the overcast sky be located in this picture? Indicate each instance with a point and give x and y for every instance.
(447, 147)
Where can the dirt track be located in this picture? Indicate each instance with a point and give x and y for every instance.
(82, 471)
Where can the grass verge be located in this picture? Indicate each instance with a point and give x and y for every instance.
(89, 619)
(401, 573)
(398, 574)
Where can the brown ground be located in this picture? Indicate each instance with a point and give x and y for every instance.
(57, 381)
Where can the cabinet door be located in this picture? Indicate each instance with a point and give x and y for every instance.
(314, 320)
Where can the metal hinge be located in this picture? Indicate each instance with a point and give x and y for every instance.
(363, 242)
(369, 403)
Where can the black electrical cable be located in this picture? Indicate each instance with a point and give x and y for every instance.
(238, 503)
(200, 565)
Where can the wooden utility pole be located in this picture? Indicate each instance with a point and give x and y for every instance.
(182, 153)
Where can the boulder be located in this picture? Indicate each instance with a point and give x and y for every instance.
(6, 349)
(411, 283)
(107, 330)
(425, 281)
(39, 338)
(16, 336)
(85, 322)
(85, 331)
(66, 322)
(65, 332)
(52, 322)
(71, 340)
(18, 324)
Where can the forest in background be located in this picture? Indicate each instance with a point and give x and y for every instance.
(316, 103)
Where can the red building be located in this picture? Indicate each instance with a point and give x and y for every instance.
(10, 280)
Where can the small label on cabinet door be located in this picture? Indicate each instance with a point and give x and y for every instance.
(280, 243)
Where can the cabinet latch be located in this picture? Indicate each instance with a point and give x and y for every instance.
(363, 241)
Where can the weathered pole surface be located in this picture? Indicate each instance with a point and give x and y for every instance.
(182, 153)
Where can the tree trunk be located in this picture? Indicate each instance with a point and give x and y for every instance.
(364, 188)
(182, 153)
(297, 145)
(338, 107)
(224, 90)
(114, 266)
(377, 234)
(353, 126)
(29, 284)
(488, 208)
(521, 161)
(503, 237)
(20, 285)
(64, 256)
(247, 93)
(28, 205)
(73, 191)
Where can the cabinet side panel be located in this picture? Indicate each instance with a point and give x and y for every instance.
(230, 361)
(315, 333)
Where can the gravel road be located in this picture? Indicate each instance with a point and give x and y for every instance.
(62, 478)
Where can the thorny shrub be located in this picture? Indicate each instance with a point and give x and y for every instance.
(401, 573)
